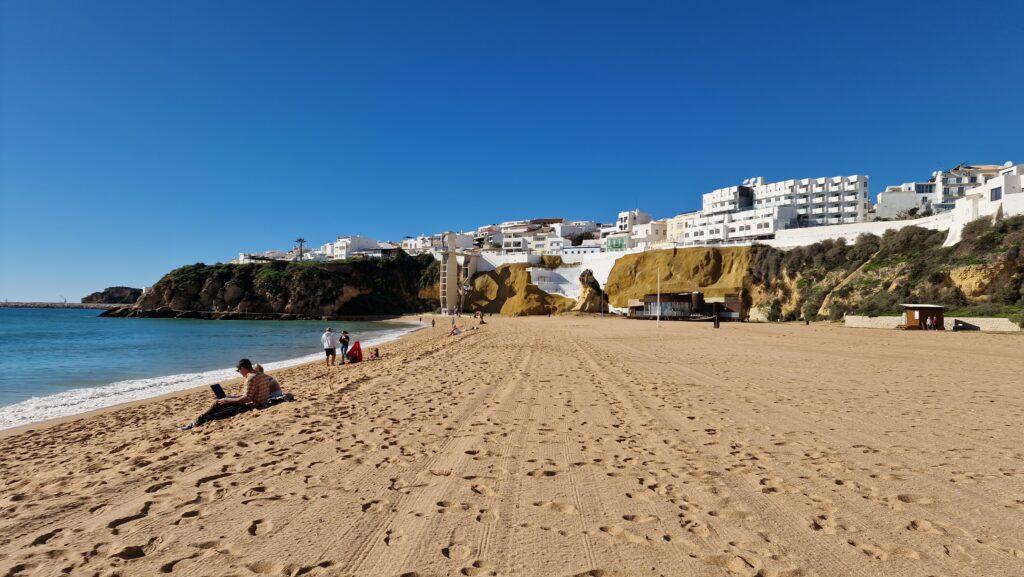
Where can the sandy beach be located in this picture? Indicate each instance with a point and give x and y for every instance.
(566, 446)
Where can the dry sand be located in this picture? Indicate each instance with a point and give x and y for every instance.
(556, 446)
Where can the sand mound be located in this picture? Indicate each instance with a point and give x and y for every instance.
(713, 271)
(508, 291)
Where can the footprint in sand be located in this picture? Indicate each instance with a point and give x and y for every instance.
(564, 508)
(487, 516)
(457, 551)
(484, 490)
(259, 527)
(640, 519)
(616, 531)
(479, 567)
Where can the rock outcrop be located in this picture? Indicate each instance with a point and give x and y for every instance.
(115, 295)
(508, 291)
(713, 271)
(293, 290)
(592, 299)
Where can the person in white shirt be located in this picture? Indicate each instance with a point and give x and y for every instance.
(330, 341)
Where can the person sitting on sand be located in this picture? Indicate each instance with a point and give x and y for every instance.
(258, 390)
(376, 354)
(456, 331)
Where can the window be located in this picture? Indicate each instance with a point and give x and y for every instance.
(996, 194)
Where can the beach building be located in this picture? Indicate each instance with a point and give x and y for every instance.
(917, 316)
(684, 306)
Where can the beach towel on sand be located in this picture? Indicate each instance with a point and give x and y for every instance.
(355, 354)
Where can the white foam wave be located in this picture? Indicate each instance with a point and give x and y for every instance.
(82, 400)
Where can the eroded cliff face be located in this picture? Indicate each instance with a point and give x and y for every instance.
(592, 298)
(508, 291)
(307, 290)
(713, 271)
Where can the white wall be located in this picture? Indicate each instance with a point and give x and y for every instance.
(794, 237)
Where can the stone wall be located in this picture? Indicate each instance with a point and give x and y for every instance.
(988, 324)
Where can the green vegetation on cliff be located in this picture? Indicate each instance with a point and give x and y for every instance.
(397, 285)
(980, 276)
(119, 295)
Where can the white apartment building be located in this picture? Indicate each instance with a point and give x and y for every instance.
(346, 246)
(938, 194)
(756, 209)
(954, 183)
(546, 243)
(626, 221)
(826, 200)
(698, 228)
(647, 235)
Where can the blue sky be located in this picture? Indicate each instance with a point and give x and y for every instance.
(139, 136)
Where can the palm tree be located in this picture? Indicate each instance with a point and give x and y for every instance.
(300, 241)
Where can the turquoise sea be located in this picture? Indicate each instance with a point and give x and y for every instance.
(58, 362)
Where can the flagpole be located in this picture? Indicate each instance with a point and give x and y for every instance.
(657, 323)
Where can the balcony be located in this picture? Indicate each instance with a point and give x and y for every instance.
(851, 198)
(817, 211)
(833, 199)
(818, 199)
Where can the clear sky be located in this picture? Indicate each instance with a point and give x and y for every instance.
(138, 136)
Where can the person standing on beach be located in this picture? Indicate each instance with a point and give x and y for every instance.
(330, 342)
(344, 345)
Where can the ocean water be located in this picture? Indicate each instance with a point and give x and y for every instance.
(59, 362)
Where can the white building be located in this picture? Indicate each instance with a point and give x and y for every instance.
(546, 243)
(625, 222)
(574, 228)
(1001, 195)
(900, 201)
(647, 235)
(956, 182)
(698, 228)
(938, 194)
(347, 246)
(589, 246)
(253, 257)
(757, 209)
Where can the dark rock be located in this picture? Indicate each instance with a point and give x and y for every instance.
(114, 295)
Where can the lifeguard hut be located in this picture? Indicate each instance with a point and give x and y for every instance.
(915, 316)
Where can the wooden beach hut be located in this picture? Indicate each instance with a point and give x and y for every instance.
(915, 316)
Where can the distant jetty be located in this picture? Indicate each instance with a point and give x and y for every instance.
(21, 305)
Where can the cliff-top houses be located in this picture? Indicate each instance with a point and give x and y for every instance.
(753, 211)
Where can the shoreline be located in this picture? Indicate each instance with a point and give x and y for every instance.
(215, 375)
(41, 305)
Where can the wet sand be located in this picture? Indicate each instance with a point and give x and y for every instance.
(559, 446)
